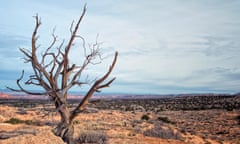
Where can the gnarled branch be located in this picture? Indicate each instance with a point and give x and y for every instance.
(95, 88)
(21, 89)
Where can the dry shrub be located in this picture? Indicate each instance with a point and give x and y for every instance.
(18, 121)
(166, 120)
(27, 122)
(238, 119)
(145, 117)
(163, 132)
(92, 137)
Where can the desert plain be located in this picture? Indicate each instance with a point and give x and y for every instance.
(184, 119)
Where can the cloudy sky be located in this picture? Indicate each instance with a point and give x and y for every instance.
(165, 46)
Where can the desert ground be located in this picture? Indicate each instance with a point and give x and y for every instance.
(173, 120)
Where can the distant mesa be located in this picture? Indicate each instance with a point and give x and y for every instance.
(5, 96)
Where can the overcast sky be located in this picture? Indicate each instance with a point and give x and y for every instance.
(165, 46)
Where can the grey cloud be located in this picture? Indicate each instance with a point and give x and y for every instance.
(9, 44)
(211, 45)
(228, 74)
(135, 52)
(216, 79)
(219, 74)
(217, 46)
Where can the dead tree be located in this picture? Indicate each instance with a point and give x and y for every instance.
(53, 72)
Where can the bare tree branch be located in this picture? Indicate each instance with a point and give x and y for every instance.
(67, 49)
(21, 89)
(95, 87)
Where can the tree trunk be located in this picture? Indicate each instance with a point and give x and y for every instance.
(65, 127)
(65, 131)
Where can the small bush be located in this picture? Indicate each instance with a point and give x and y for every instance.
(207, 142)
(145, 117)
(75, 122)
(160, 132)
(28, 122)
(229, 108)
(92, 137)
(131, 134)
(14, 121)
(238, 119)
(18, 121)
(165, 119)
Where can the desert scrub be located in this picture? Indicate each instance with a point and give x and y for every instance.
(207, 142)
(145, 117)
(92, 137)
(76, 122)
(130, 134)
(238, 119)
(163, 132)
(14, 121)
(18, 121)
(166, 120)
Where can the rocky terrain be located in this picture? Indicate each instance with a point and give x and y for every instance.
(177, 120)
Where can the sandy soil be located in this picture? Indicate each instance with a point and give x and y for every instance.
(191, 127)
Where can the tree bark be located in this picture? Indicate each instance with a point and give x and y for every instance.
(65, 131)
(65, 127)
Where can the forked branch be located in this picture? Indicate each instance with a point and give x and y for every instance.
(95, 88)
(21, 89)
